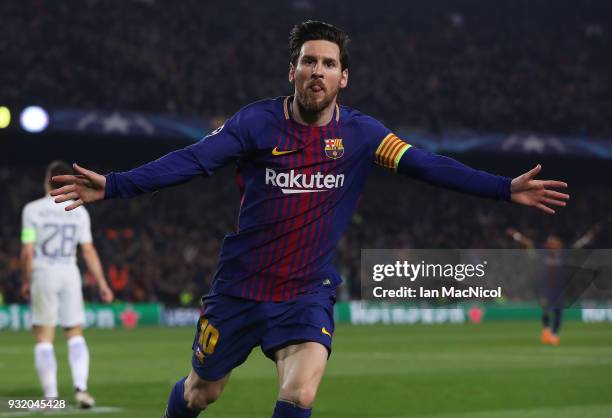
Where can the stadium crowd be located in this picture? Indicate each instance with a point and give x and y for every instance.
(164, 247)
(491, 66)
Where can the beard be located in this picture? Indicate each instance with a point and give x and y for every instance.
(309, 101)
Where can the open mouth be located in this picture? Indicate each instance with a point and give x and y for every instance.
(316, 88)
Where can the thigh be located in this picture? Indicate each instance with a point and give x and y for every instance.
(44, 333)
(75, 331)
(71, 306)
(300, 369)
(44, 298)
(310, 318)
(227, 331)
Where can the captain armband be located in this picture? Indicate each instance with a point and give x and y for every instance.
(390, 151)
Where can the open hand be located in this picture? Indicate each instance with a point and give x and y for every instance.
(85, 187)
(528, 191)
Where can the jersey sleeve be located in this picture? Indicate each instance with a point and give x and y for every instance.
(224, 145)
(451, 174)
(395, 154)
(85, 235)
(387, 149)
(28, 227)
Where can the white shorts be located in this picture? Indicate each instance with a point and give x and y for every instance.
(56, 297)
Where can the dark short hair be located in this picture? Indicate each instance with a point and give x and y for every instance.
(313, 30)
(57, 168)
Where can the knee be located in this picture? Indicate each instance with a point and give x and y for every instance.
(302, 395)
(306, 397)
(201, 398)
(199, 394)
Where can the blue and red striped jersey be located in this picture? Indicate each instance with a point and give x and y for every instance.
(299, 187)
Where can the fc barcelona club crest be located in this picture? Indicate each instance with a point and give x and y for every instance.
(334, 148)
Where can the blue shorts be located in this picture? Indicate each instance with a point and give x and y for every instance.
(230, 327)
(553, 294)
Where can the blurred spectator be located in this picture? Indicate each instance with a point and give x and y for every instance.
(496, 66)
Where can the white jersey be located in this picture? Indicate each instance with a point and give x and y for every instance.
(54, 232)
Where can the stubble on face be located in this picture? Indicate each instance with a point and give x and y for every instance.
(315, 92)
(315, 97)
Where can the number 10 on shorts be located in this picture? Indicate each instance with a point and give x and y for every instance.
(209, 335)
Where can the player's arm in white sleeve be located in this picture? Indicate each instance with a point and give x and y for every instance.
(28, 238)
(92, 260)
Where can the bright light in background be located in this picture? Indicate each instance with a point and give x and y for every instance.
(5, 117)
(34, 119)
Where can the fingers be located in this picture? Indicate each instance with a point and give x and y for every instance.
(545, 208)
(534, 171)
(108, 296)
(67, 196)
(554, 184)
(63, 190)
(74, 205)
(68, 192)
(556, 195)
(553, 202)
(85, 172)
(65, 178)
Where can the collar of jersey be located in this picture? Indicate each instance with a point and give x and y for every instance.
(287, 108)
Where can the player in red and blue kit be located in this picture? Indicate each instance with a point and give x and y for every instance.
(302, 163)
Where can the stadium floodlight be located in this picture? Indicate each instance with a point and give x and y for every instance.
(34, 119)
(5, 117)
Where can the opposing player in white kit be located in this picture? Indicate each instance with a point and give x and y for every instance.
(49, 239)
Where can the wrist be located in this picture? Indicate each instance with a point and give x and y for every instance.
(513, 183)
(109, 186)
(506, 189)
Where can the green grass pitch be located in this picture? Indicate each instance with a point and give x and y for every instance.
(446, 371)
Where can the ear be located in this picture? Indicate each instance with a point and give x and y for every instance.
(344, 78)
(291, 73)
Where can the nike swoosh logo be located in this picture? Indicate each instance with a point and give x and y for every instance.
(326, 332)
(275, 151)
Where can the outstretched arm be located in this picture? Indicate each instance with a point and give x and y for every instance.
(446, 172)
(394, 153)
(177, 167)
(449, 173)
(88, 186)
